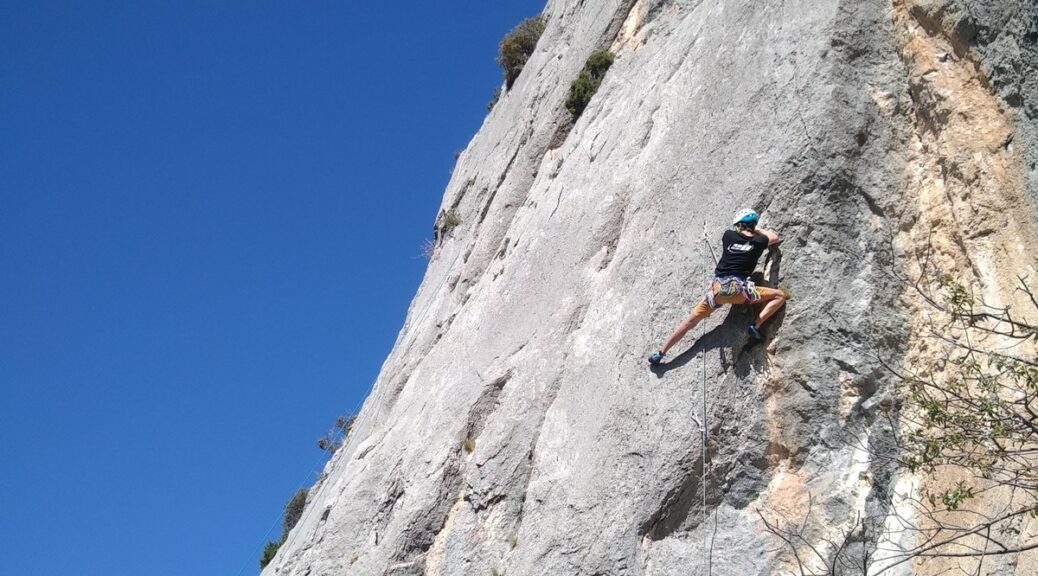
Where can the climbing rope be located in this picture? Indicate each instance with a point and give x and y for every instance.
(424, 310)
(259, 549)
(708, 542)
(307, 509)
(266, 536)
(417, 322)
(324, 458)
(706, 547)
(432, 297)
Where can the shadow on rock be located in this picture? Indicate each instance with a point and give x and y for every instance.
(729, 338)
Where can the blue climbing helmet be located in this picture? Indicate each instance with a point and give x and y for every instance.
(747, 217)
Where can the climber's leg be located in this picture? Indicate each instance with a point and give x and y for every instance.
(701, 311)
(773, 299)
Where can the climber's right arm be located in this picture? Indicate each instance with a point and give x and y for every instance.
(772, 237)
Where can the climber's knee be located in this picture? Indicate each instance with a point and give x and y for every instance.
(778, 296)
(701, 311)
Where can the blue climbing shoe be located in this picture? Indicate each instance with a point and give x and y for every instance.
(755, 333)
(656, 358)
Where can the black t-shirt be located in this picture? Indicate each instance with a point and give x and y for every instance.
(740, 254)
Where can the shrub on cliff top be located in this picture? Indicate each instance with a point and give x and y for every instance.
(336, 436)
(517, 46)
(588, 81)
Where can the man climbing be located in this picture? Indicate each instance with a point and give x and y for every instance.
(742, 248)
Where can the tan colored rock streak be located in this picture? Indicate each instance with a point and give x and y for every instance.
(434, 558)
(964, 171)
(974, 220)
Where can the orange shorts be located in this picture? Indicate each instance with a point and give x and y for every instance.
(703, 309)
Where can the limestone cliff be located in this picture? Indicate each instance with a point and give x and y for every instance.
(516, 428)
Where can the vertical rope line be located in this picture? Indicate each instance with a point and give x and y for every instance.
(308, 507)
(259, 550)
(706, 547)
(415, 324)
(325, 458)
(708, 542)
(277, 520)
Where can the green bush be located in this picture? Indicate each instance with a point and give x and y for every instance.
(336, 436)
(451, 220)
(293, 513)
(517, 46)
(345, 424)
(588, 81)
(268, 553)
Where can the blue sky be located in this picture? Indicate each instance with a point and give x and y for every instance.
(210, 226)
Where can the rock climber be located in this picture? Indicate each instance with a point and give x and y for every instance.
(742, 247)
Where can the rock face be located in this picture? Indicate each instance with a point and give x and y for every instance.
(516, 428)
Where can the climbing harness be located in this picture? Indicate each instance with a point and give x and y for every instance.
(729, 286)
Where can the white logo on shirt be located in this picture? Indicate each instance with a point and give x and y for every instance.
(740, 247)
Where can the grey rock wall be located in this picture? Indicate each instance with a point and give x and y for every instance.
(516, 428)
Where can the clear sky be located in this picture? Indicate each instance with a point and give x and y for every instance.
(211, 216)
